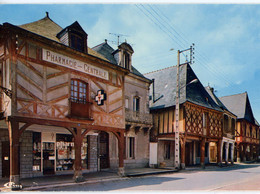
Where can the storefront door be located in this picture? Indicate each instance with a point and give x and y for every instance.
(5, 159)
(48, 157)
(104, 150)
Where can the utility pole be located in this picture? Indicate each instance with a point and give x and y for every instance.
(177, 107)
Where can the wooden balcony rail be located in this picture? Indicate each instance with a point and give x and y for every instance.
(80, 109)
(138, 117)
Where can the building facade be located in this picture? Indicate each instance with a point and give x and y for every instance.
(138, 120)
(200, 119)
(247, 133)
(62, 103)
(227, 144)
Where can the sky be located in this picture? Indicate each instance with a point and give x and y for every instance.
(226, 37)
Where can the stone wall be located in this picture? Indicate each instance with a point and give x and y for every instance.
(93, 164)
(25, 152)
(26, 157)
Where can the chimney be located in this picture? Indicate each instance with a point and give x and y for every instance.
(47, 14)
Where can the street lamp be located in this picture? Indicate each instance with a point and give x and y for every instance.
(177, 111)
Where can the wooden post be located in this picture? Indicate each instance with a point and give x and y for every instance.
(244, 152)
(13, 128)
(183, 142)
(202, 153)
(219, 155)
(77, 162)
(121, 147)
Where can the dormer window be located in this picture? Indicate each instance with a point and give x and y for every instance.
(77, 42)
(123, 55)
(75, 37)
(126, 60)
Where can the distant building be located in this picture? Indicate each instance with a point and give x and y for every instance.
(138, 120)
(229, 127)
(62, 103)
(200, 119)
(247, 133)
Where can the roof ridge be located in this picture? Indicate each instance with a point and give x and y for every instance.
(99, 45)
(233, 95)
(160, 70)
(46, 17)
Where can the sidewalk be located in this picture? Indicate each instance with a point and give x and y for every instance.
(37, 183)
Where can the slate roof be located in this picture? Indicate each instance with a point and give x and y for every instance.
(44, 27)
(47, 28)
(165, 85)
(215, 98)
(239, 105)
(107, 51)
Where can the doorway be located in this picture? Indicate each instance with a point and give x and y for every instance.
(48, 158)
(104, 150)
(6, 159)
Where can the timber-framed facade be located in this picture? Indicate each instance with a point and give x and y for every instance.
(200, 119)
(67, 103)
(247, 133)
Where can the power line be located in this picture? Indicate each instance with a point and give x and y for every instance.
(167, 28)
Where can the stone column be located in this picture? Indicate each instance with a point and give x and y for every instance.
(202, 153)
(227, 149)
(232, 153)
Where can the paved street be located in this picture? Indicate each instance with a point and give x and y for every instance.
(238, 177)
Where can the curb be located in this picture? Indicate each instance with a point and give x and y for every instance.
(150, 173)
(72, 183)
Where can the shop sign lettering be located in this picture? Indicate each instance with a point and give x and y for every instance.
(68, 62)
(64, 145)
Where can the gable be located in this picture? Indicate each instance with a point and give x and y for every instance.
(165, 88)
(248, 112)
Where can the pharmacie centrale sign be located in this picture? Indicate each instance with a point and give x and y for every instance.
(65, 61)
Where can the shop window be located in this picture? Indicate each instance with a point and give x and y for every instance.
(79, 104)
(167, 150)
(131, 147)
(65, 152)
(36, 151)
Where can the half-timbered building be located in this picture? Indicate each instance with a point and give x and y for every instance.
(228, 138)
(138, 120)
(200, 118)
(62, 103)
(247, 133)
